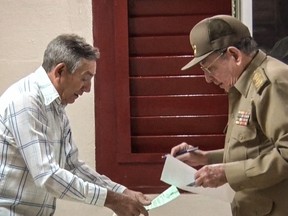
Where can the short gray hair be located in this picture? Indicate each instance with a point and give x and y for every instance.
(69, 49)
(247, 45)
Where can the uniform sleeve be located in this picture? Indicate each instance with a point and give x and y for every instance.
(215, 156)
(270, 166)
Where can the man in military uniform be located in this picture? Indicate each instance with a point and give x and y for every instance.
(254, 161)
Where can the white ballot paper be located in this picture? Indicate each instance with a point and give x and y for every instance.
(181, 175)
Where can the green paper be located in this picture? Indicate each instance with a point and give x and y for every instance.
(168, 195)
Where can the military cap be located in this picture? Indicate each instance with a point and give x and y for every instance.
(215, 33)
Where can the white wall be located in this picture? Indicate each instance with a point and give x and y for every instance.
(246, 12)
(26, 27)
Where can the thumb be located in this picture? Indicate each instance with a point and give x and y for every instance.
(144, 200)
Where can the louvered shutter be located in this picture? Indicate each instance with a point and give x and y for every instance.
(152, 105)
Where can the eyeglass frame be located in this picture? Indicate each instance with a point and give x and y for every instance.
(206, 69)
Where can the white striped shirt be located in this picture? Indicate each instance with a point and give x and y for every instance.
(38, 158)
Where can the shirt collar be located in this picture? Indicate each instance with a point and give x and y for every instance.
(244, 81)
(46, 87)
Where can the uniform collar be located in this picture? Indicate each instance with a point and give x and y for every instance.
(244, 82)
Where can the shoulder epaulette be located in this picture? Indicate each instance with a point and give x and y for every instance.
(259, 79)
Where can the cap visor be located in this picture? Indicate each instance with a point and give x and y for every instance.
(195, 61)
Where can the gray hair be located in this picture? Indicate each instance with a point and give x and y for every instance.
(69, 49)
(247, 45)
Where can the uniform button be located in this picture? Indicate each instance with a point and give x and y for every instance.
(241, 137)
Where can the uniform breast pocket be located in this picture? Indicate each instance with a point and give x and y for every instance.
(245, 138)
(244, 133)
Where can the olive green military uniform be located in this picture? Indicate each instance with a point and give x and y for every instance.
(256, 145)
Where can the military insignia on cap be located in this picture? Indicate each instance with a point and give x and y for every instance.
(194, 49)
(242, 118)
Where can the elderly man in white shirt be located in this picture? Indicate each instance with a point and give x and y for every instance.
(38, 158)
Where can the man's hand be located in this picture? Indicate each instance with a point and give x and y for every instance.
(195, 158)
(211, 176)
(137, 196)
(124, 205)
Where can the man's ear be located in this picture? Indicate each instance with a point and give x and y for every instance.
(58, 70)
(56, 73)
(235, 53)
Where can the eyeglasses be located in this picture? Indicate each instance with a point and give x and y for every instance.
(206, 69)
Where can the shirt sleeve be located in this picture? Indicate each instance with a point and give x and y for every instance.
(43, 156)
(85, 172)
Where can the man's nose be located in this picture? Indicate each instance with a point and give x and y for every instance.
(208, 78)
(86, 87)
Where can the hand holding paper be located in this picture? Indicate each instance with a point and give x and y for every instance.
(181, 175)
(167, 196)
